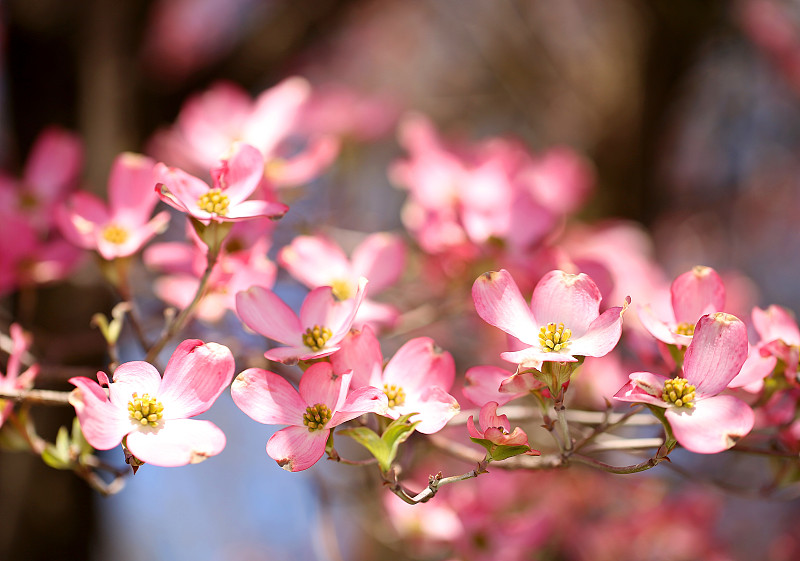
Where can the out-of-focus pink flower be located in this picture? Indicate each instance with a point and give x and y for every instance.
(26, 259)
(701, 420)
(320, 405)
(211, 122)
(235, 178)
(563, 321)
(242, 263)
(780, 336)
(416, 379)
(344, 112)
(318, 261)
(14, 380)
(124, 226)
(183, 36)
(51, 171)
(316, 332)
(483, 384)
(496, 428)
(152, 414)
(470, 199)
(694, 294)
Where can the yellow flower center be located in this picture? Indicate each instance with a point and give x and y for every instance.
(316, 416)
(214, 202)
(395, 394)
(315, 337)
(145, 410)
(115, 234)
(679, 392)
(554, 337)
(684, 328)
(341, 290)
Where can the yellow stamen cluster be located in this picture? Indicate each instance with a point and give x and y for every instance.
(214, 202)
(678, 391)
(684, 328)
(115, 234)
(145, 410)
(395, 394)
(341, 290)
(554, 337)
(316, 416)
(315, 337)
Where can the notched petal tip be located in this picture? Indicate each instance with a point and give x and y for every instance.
(286, 463)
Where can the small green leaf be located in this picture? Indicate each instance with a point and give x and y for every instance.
(497, 452)
(372, 442)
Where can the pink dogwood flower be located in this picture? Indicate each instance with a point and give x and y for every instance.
(415, 380)
(51, 171)
(235, 178)
(496, 428)
(318, 261)
(152, 414)
(212, 121)
(320, 405)
(562, 322)
(780, 336)
(122, 227)
(316, 332)
(13, 379)
(701, 420)
(694, 294)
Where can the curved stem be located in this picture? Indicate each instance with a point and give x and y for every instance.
(177, 324)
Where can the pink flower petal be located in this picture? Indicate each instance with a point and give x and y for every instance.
(267, 398)
(320, 384)
(297, 448)
(420, 364)
(53, 164)
(360, 352)
(136, 376)
(435, 407)
(602, 335)
(318, 308)
(195, 376)
(177, 442)
(179, 189)
(239, 175)
(130, 188)
(696, 293)
(255, 209)
(473, 432)
(262, 311)
(489, 418)
(754, 369)
(482, 384)
(657, 328)
(713, 425)
(381, 258)
(363, 400)
(499, 302)
(573, 300)
(643, 387)
(533, 356)
(716, 354)
(315, 261)
(103, 423)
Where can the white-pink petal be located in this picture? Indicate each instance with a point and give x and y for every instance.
(103, 423)
(267, 398)
(264, 312)
(716, 354)
(195, 376)
(713, 425)
(499, 302)
(696, 293)
(573, 300)
(297, 448)
(177, 442)
(320, 384)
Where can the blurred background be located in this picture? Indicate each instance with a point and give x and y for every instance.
(689, 113)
